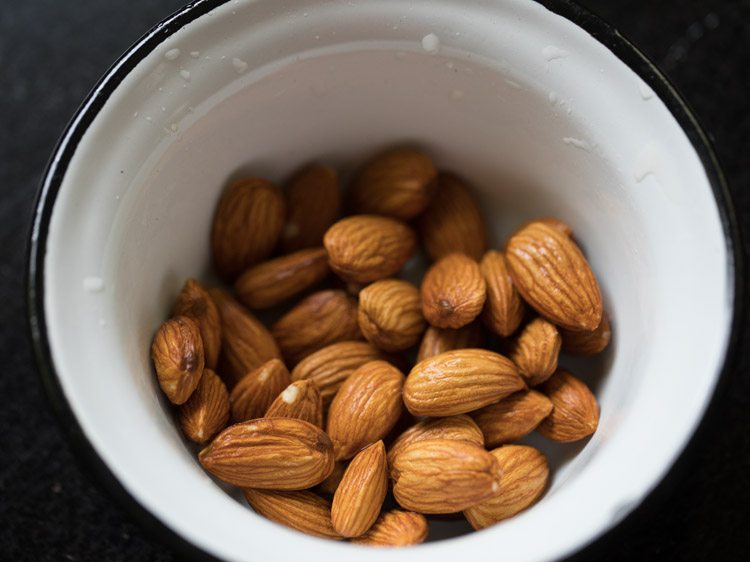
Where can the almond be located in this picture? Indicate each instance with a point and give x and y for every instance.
(313, 204)
(390, 314)
(365, 248)
(440, 340)
(459, 381)
(275, 281)
(207, 410)
(331, 484)
(444, 476)
(366, 407)
(524, 480)
(535, 351)
(245, 342)
(396, 528)
(177, 352)
(258, 389)
(300, 400)
(575, 413)
(270, 454)
(588, 343)
(247, 225)
(557, 224)
(195, 303)
(503, 310)
(453, 222)
(453, 292)
(513, 417)
(359, 496)
(398, 183)
(551, 274)
(319, 320)
(303, 511)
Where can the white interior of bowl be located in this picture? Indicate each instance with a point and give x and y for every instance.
(535, 113)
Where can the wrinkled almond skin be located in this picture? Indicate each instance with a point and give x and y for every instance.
(440, 340)
(245, 342)
(575, 412)
(557, 224)
(459, 381)
(207, 410)
(275, 281)
(303, 511)
(390, 314)
(247, 225)
(195, 303)
(444, 476)
(398, 183)
(359, 496)
(551, 274)
(365, 248)
(317, 321)
(177, 352)
(524, 481)
(300, 400)
(535, 351)
(453, 292)
(588, 343)
(332, 365)
(313, 204)
(331, 484)
(270, 454)
(258, 389)
(396, 528)
(503, 309)
(365, 408)
(513, 417)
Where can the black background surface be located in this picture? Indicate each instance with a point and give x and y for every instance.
(51, 54)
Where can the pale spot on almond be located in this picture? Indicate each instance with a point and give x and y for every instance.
(290, 395)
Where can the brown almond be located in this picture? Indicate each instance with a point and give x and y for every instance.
(177, 352)
(588, 343)
(195, 303)
(513, 417)
(459, 381)
(303, 511)
(575, 412)
(207, 410)
(365, 408)
(270, 454)
(557, 224)
(395, 528)
(247, 225)
(365, 248)
(331, 484)
(440, 340)
(453, 292)
(551, 274)
(503, 309)
(398, 183)
(300, 400)
(258, 389)
(524, 480)
(444, 476)
(535, 351)
(390, 314)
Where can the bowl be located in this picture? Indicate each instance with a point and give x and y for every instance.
(545, 111)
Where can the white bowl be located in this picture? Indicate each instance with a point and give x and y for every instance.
(541, 116)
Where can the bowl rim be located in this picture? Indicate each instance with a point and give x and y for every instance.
(67, 145)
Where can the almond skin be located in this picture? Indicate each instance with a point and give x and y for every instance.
(551, 274)
(313, 204)
(365, 408)
(247, 225)
(396, 528)
(535, 351)
(195, 303)
(270, 454)
(317, 321)
(303, 511)
(300, 400)
(588, 343)
(359, 496)
(557, 224)
(331, 484)
(503, 309)
(276, 281)
(575, 413)
(398, 183)
(459, 381)
(258, 389)
(512, 418)
(207, 410)
(525, 477)
(444, 476)
(390, 314)
(453, 292)
(177, 352)
(365, 248)
(440, 340)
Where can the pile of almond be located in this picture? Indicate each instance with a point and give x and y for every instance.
(369, 385)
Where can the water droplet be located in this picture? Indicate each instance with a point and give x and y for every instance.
(553, 99)
(195, 54)
(172, 54)
(577, 143)
(513, 84)
(239, 65)
(185, 74)
(647, 161)
(93, 284)
(431, 43)
(550, 52)
(645, 90)
(135, 114)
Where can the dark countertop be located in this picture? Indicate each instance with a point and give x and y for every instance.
(51, 54)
